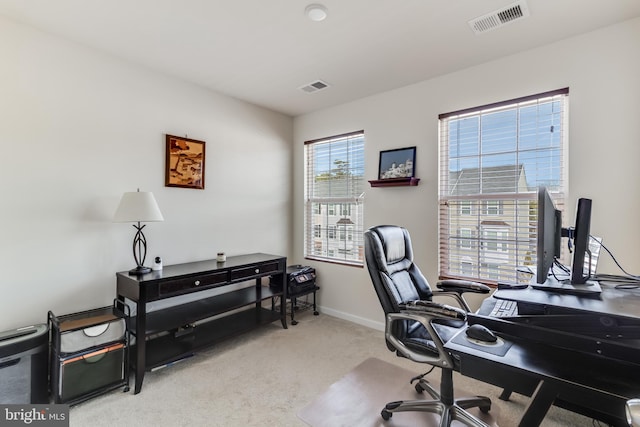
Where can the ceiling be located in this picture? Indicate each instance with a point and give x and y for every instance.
(263, 51)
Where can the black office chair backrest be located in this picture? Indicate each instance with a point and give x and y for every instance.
(395, 277)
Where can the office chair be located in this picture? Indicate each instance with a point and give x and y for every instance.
(415, 326)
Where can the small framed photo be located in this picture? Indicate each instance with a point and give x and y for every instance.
(185, 163)
(399, 163)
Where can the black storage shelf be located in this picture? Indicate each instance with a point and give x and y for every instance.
(183, 314)
(303, 293)
(73, 382)
(166, 349)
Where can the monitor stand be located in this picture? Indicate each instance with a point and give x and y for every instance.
(590, 288)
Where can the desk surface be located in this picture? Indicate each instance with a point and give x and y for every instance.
(612, 301)
(598, 385)
(200, 267)
(616, 378)
(567, 364)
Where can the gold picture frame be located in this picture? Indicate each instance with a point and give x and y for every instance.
(184, 162)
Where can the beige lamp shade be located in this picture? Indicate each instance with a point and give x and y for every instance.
(138, 206)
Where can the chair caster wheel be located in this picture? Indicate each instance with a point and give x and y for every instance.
(386, 414)
(294, 322)
(419, 388)
(485, 409)
(315, 313)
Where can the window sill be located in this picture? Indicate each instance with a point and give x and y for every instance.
(359, 264)
(394, 182)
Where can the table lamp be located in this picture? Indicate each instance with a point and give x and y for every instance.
(137, 207)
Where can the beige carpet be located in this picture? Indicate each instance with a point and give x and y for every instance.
(266, 377)
(357, 399)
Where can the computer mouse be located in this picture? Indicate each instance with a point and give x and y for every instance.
(481, 333)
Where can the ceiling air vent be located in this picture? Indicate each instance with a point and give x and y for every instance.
(500, 17)
(314, 86)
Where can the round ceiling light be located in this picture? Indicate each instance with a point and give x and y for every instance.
(316, 12)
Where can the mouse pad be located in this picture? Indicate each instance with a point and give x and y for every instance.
(498, 348)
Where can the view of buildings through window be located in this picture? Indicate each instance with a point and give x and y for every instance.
(492, 160)
(334, 194)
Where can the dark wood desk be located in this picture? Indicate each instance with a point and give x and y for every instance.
(579, 353)
(619, 303)
(595, 387)
(166, 335)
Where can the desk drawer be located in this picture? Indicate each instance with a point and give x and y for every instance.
(255, 271)
(181, 286)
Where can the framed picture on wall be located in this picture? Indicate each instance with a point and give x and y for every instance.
(398, 163)
(184, 162)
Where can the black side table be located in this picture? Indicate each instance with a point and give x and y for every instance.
(294, 297)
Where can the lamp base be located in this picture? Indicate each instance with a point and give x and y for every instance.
(141, 269)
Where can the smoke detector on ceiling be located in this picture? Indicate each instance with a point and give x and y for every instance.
(316, 12)
(314, 86)
(506, 15)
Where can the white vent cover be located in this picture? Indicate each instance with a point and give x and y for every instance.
(499, 18)
(314, 86)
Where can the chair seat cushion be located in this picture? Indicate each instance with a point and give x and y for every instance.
(418, 339)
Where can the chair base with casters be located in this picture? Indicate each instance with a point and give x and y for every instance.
(443, 404)
(416, 327)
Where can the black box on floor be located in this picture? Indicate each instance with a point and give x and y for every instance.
(23, 365)
(300, 278)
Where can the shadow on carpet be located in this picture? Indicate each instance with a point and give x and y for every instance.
(357, 399)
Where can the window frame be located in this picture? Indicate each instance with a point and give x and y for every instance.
(344, 212)
(461, 210)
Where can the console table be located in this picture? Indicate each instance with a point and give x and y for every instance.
(166, 335)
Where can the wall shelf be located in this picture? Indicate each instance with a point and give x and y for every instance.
(394, 182)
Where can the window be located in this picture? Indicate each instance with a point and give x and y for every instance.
(465, 207)
(492, 160)
(493, 207)
(465, 238)
(334, 192)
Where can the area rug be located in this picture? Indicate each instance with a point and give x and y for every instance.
(357, 399)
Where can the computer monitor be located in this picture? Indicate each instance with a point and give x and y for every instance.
(582, 254)
(550, 233)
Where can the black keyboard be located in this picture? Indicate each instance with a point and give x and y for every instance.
(504, 308)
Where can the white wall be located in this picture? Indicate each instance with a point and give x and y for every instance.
(77, 129)
(601, 69)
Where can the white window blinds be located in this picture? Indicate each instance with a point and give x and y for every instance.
(334, 193)
(492, 159)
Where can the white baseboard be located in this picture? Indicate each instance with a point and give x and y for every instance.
(351, 318)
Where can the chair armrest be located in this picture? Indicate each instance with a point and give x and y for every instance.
(632, 411)
(424, 312)
(462, 286)
(435, 309)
